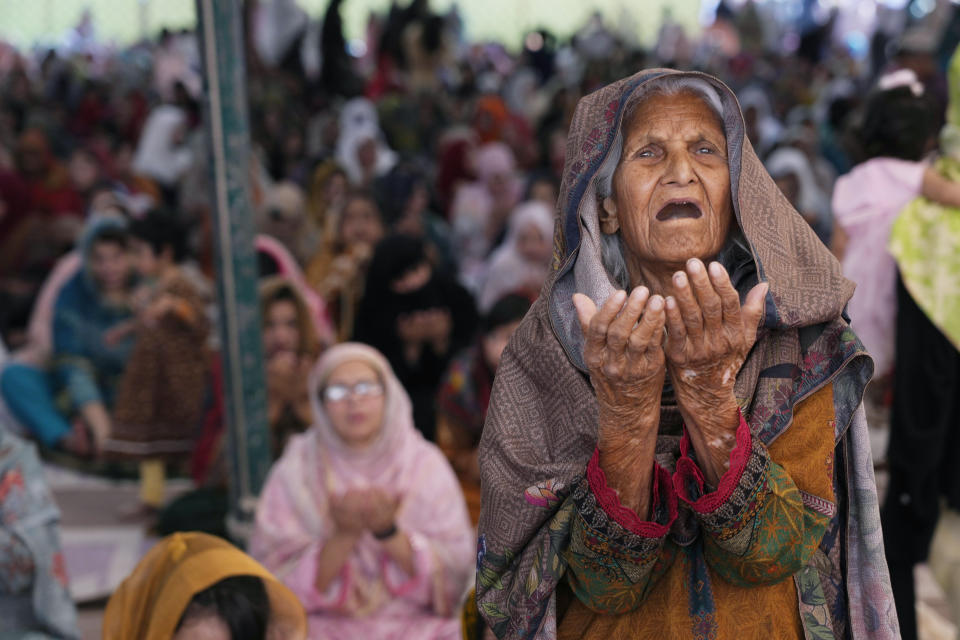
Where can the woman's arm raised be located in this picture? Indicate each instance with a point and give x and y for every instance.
(625, 498)
(709, 337)
(624, 355)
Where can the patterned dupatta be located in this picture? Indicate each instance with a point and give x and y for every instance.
(541, 426)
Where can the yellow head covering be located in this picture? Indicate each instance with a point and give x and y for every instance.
(150, 602)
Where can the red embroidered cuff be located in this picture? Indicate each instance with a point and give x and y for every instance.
(627, 518)
(688, 473)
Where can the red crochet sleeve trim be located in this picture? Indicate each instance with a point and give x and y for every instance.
(627, 518)
(687, 471)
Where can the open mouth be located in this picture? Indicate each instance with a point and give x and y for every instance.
(678, 210)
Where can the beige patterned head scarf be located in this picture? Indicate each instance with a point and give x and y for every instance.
(541, 426)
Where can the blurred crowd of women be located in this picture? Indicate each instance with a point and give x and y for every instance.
(404, 195)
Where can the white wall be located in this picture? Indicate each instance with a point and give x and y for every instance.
(25, 22)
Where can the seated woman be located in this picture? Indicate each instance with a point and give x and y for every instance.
(92, 340)
(290, 350)
(465, 394)
(794, 174)
(326, 197)
(276, 260)
(405, 201)
(338, 271)
(480, 209)
(35, 602)
(361, 517)
(417, 316)
(361, 147)
(39, 345)
(522, 262)
(676, 446)
(194, 586)
(160, 399)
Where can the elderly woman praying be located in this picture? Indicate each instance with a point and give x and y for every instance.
(675, 446)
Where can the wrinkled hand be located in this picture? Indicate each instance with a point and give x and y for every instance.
(348, 512)
(625, 358)
(709, 335)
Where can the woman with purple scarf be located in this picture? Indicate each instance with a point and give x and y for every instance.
(675, 445)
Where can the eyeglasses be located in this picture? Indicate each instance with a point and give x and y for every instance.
(339, 392)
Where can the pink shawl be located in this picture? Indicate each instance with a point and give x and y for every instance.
(866, 202)
(371, 597)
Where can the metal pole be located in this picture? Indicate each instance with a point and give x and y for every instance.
(221, 46)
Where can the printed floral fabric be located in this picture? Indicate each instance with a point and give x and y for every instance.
(613, 555)
(708, 564)
(749, 528)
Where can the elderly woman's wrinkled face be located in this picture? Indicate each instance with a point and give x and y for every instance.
(671, 190)
(354, 401)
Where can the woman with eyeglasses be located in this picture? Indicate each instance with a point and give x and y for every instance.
(362, 518)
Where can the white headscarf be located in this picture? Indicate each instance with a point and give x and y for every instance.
(768, 127)
(157, 156)
(380, 462)
(358, 123)
(510, 271)
(811, 199)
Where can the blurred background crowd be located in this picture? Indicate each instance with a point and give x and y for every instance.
(404, 182)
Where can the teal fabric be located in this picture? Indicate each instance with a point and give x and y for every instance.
(85, 366)
(84, 369)
(28, 393)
